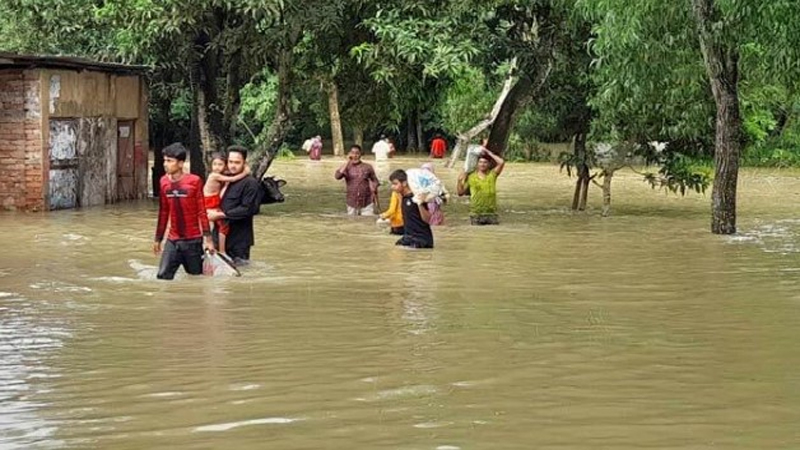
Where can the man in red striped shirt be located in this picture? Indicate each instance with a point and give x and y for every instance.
(181, 205)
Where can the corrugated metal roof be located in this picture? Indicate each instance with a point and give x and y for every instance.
(65, 62)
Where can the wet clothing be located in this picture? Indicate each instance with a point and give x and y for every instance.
(417, 233)
(483, 194)
(382, 150)
(183, 252)
(437, 216)
(240, 203)
(438, 148)
(213, 202)
(395, 212)
(361, 183)
(315, 152)
(181, 204)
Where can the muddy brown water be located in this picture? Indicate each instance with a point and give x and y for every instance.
(551, 331)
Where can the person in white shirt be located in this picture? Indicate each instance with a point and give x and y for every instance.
(381, 149)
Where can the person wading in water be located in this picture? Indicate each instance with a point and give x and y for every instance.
(181, 205)
(362, 184)
(240, 202)
(481, 185)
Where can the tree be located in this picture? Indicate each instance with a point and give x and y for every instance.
(657, 53)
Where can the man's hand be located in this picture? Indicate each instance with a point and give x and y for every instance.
(208, 244)
(157, 247)
(419, 198)
(215, 215)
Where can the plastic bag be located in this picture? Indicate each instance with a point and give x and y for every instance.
(219, 265)
(425, 184)
(307, 145)
(471, 158)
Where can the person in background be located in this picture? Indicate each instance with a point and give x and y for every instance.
(362, 184)
(417, 231)
(481, 185)
(438, 147)
(315, 151)
(181, 205)
(382, 149)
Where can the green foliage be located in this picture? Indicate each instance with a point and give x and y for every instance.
(285, 153)
(258, 98)
(466, 101)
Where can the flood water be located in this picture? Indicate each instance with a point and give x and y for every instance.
(551, 331)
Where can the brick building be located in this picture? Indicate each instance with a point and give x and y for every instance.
(73, 132)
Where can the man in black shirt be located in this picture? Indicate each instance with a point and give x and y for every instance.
(240, 202)
(416, 216)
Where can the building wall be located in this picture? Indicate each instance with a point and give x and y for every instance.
(21, 176)
(98, 101)
(90, 104)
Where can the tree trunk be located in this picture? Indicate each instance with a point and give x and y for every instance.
(582, 185)
(358, 135)
(198, 165)
(281, 123)
(209, 117)
(233, 99)
(336, 121)
(412, 134)
(504, 122)
(463, 139)
(722, 66)
(608, 176)
(420, 136)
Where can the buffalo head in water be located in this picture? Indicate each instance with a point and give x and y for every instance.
(271, 190)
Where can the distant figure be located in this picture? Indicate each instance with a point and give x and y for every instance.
(481, 185)
(435, 207)
(394, 214)
(181, 206)
(438, 147)
(382, 149)
(240, 202)
(215, 183)
(362, 184)
(417, 231)
(315, 151)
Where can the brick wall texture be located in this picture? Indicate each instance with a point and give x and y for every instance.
(21, 147)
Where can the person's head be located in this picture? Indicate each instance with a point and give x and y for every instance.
(355, 154)
(237, 157)
(428, 166)
(399, 180)
(383, 137)
(174, 158)
(484, 163)
(218, 163)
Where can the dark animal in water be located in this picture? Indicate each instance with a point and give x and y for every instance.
(271, 190)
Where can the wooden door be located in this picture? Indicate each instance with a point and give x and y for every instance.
(126, 169)
(63, 174)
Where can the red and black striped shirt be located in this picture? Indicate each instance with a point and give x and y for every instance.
(182, 206)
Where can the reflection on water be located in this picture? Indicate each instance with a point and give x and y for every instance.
(551, 330)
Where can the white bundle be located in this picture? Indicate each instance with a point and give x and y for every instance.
(471, 158)
(424, 184)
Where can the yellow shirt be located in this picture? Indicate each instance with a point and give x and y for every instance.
(394, 213)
